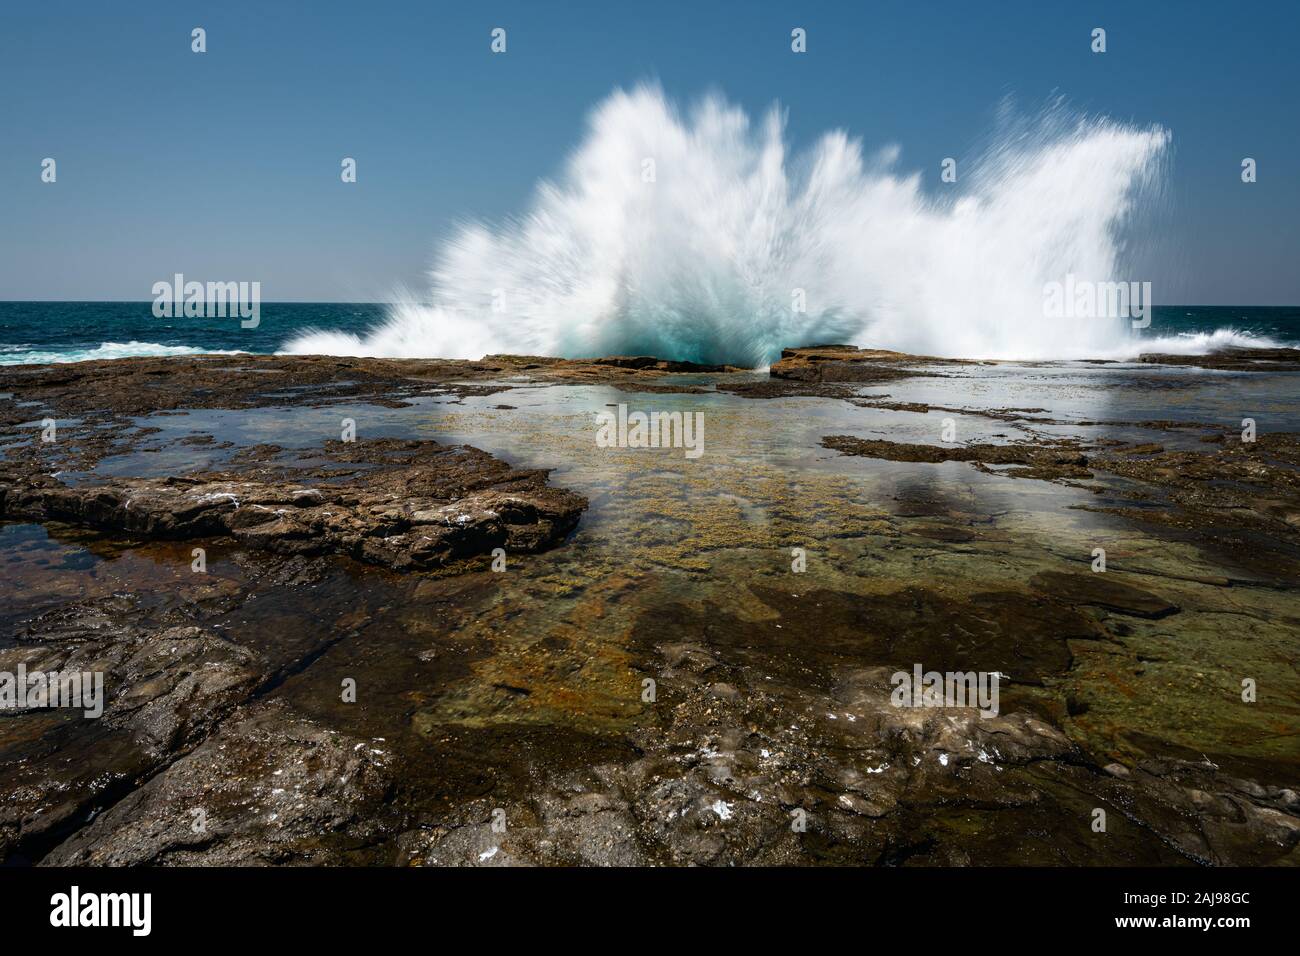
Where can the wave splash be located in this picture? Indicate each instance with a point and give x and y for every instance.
(1199, 343)
(707, 262)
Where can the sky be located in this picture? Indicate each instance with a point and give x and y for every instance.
(226, 164)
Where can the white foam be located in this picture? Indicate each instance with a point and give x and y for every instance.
(702, 264)
(106, 350)
(1196, 343)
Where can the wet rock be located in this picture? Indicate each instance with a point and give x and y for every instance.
(1021, 634)
(946, 533)
(847, 363)
(1245, 495)
(270, 788)
(641, 362)
(145, 386)
(765, 388)
(1237, 359)
(1232, 488)
(1210, 817)
(778, 705)
(1048, 460)
(421, 505)
(165, 691)
(1103, 590)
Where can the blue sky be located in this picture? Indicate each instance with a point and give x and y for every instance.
(226, 164)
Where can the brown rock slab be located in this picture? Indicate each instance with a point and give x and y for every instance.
(847, 363)
(1102, 590)
(420, 505)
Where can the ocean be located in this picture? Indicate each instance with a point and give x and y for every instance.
(41, 332)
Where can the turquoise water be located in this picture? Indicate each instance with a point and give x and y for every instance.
(37, 332)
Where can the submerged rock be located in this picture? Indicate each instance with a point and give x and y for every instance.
(1056, 459)
(1103, 590)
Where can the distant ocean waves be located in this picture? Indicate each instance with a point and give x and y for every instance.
(23, 354)
(39, 332)
(33, 333)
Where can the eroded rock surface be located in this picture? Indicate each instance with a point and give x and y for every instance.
(1061, 459)
(165, 690)
(497, 725)
(270, 788)
(744, 769)
(847, 363)
(417, 505)
(1234, 359)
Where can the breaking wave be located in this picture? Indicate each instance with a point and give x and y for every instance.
(693, 236)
